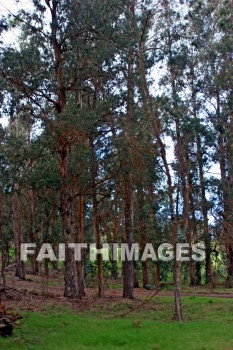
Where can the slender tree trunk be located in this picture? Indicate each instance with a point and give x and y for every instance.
(141, 214)
(128, 275)
(185, 178)
(80, 264)
(32, 227)
(196, 265)
(128, 269)
(96, 221)
(177, 281)
(96, 224)
(156, 274)
(229, 252)
(229, 245)
(135, 276)
(38, 265)
(208, 270)
(46, 267)
(226, 165)
(114, 270)
(45, 236)
(149, 110)
(18, 234)
(2, 252)
(70, 275)
(32, 203)
(64, 141)
(207, 238)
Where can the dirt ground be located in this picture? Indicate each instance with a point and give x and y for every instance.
(36, 292)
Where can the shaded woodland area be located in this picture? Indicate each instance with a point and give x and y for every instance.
(120, 129)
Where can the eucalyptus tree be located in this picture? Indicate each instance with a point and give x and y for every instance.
(185, 44)
(57, 38)
(217, 71)
(14, 155)
(140, 23)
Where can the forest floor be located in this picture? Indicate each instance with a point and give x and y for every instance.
(53, 322)
(35, 292)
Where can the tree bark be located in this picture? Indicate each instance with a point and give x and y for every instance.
(226, 165)
(18, 233)
(207, 238)
(156, 274)
(128, 271)
(2, 252)
(117, 219)
(141, 218)
(70, 275)
(80, 264)
(96, 221)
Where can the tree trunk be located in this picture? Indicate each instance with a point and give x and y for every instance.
(149, 110)
(135, 276)
(208, 270)
(207, 240)
(177, 281)
(3, 252)
(70, 275)
(46, 267)
(141, 214)
(228, 198)
(31, 202)
(96, 221)
(80, 264)
(96, 224)
(114, 270)
(32, 228)
(156, 274)
(18, 234)
(128, 275)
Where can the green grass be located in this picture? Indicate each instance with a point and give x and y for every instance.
(207, 289)
(114, 286)
(208, 326)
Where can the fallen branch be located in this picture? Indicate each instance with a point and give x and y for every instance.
(140, 305)
(9, 267)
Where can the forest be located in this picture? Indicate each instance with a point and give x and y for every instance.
(116, 128)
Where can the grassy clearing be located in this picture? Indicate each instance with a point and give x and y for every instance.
(208, 326)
